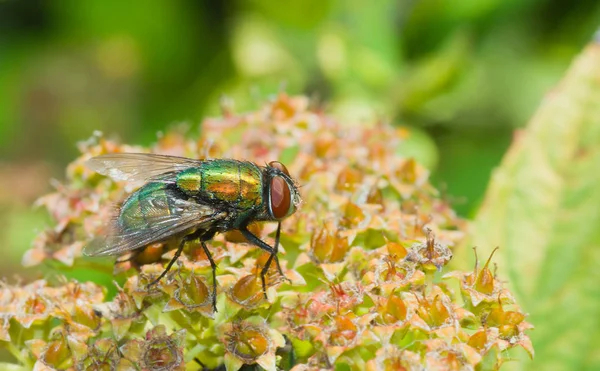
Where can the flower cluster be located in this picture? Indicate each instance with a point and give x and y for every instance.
(363, 260)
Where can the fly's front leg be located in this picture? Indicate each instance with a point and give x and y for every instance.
(276, 249)
(271, 250)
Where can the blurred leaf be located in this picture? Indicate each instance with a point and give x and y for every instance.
(542, 209)
(435, 75)
(300, 14)
(420, 146)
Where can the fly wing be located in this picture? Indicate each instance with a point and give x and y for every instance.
(139, 166)
(184, 215)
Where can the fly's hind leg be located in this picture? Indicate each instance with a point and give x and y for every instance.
(203, 236)
(173, 260)
(214, 274)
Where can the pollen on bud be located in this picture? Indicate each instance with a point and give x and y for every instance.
(194, 295)
(158, 351)
(394, 273)
(86, 316)
(283, 108)
(377, 152)
(323, 144)
(247, 291)
(485, 278)
(348, 179)
(394, 310)
(478, 340)
(57, 354)
(507, 322)
(396, 250)
(344, 331)
(160, 355)
(103, 355)
(311, 166)
(481, 288)
(408, 171)
(391, 358)
(435, 312)
(352, 216)
(375, 196)
(247, 342)
(328, 246)
(32, 309)
(431, 255)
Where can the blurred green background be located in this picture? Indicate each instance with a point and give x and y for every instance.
(464, 74)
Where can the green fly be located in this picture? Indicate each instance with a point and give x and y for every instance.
(192, 200)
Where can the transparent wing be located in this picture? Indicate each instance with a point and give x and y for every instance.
(139, 166)
(184, 215)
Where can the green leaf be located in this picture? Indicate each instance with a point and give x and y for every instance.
(542, 208)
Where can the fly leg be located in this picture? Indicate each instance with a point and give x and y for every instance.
(203, 236)
(175, 257)
(276, 250)
(271, 250)
(214, 274)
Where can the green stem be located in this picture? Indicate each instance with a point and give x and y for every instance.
(194, 352)
(18, 355)
(429, 277)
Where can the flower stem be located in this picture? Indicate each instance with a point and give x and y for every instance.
(18, 355)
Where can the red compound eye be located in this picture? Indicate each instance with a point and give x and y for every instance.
(280, 197)
(279, 166)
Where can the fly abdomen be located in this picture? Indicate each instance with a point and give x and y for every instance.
(234, 182)
(190, 181)
(151, 202)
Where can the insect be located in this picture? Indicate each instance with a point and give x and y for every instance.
(192, 200)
